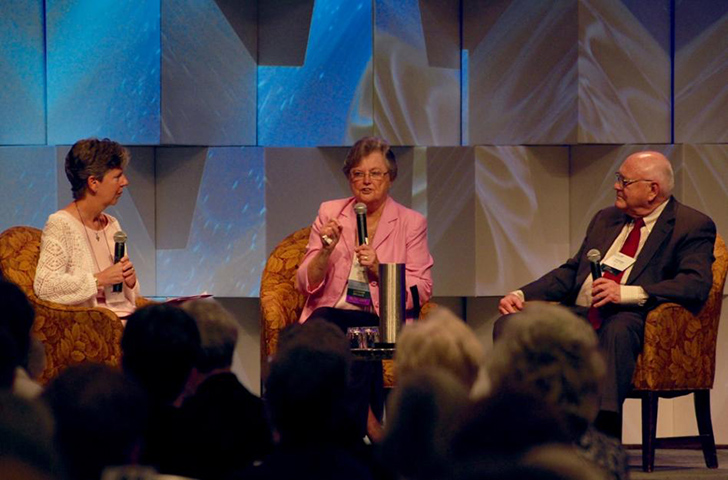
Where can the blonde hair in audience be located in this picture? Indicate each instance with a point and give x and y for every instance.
(440, 340)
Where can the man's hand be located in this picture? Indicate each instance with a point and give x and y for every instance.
(605, 291)
(511, 303)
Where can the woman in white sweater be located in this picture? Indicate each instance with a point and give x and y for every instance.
(76, 265)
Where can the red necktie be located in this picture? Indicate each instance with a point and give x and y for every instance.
(630, 249)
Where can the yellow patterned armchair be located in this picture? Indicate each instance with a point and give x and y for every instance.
(281, 303)
(70, 334)
(678, 358)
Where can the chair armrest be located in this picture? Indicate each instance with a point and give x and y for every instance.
(678, 351)
(72, 335)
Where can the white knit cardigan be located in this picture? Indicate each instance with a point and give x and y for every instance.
(65, 272)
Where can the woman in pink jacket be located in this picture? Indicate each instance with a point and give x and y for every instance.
(340, 276)
(338, 272)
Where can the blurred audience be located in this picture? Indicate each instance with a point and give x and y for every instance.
(554, 354)
(160, 346)
(227, 425)
(100, 418)
(16, 318)
(437, 362)
(26, 440)
(440, 340)
(306, 393)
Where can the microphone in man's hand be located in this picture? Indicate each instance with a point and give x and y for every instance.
(594, 257)
(119, 252)
(361, 223)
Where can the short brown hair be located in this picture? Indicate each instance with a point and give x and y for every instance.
(364, 147)
(92, 157)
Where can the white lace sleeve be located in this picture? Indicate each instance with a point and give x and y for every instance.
(57, 277)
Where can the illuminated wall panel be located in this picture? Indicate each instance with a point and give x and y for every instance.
(28, 186)
(327, 101)
(223, 249)
(103, 70)
(522, 71)
(624, 71)
(498, 216)
(208, 72)
(22, 77)
(417, 72)
(705, 182)
(701, 71)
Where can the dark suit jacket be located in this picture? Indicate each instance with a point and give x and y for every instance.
(674, 265)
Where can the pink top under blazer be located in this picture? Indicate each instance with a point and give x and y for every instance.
(401, 237)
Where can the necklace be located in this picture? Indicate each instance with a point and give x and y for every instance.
(88, 239)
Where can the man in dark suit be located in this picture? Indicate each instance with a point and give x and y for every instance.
(655, 250)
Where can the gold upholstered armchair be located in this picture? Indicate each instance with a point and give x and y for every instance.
(281, 303)
(678, 358)
(70, 334)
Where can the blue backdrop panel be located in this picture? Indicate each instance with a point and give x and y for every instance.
(417, 72)
(22, 73)
(103, 70)
(224, 252)
(208, 74)
(327, 101)
(28, 189)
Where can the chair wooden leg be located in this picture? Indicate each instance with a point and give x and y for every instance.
(649, 430)
(705, 427)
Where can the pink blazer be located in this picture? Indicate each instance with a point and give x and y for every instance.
(401, 238)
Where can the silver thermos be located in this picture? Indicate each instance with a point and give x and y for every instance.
(392, 300)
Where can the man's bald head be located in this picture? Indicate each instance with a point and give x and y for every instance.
(645, 181)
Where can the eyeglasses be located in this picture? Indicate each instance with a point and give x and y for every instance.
(624, 183)
(374, 175)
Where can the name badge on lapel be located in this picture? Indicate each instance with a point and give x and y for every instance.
(617, 263)
(357, 288)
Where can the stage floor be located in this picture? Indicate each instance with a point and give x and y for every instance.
(678, 465)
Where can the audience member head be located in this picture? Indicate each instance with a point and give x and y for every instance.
(308, 382)
(8, 360)
(26, 440)
(496, 431)
(100, 418)
(423, 412)
(92, 158)
(440, 340)
(550, 351)
(16, 317)
(218, 333)
(366, 146)
(160, 346)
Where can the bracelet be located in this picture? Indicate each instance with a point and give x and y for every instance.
(96, 280)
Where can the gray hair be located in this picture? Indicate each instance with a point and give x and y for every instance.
(440, 340)
(552, 352)
(218, 333)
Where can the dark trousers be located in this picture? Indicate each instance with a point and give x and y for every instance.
(366, 383)
(620, 339)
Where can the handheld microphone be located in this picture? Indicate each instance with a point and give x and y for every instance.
(361, 223)
(119, 252)
(594, 257)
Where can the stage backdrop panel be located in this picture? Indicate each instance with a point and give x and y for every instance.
(208, 72)
(327, 101)
(592, 181)
(498, 216)
(28, 192)
(417, 72)
(701, 71)
(521, 71)
(705, 182)
(298, 180)
(624, 71)
(218, 242)
(22, 83)
(103, 61)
